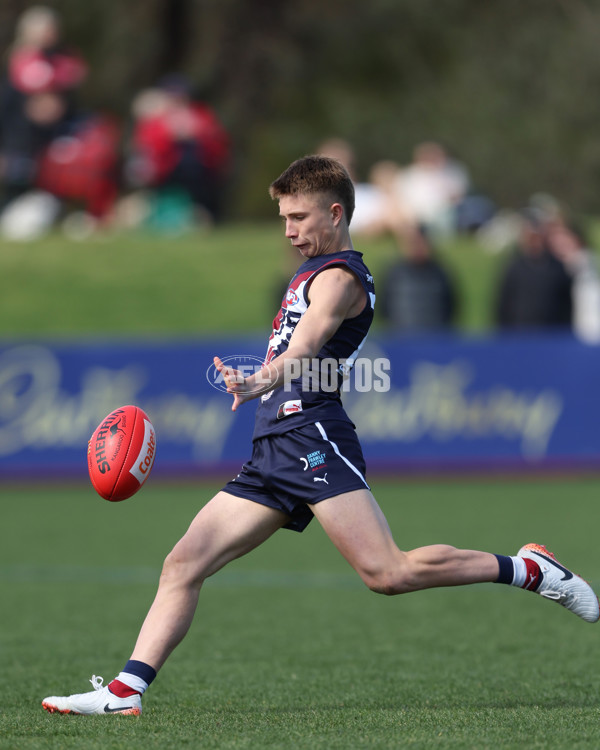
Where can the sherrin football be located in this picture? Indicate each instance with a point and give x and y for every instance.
(121, 453)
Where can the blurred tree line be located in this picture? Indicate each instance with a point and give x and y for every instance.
(508, 86)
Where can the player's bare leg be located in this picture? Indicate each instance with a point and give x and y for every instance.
(358, 528)
(226, 528)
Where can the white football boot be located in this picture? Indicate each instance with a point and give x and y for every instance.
(98, 701)
(561, 585)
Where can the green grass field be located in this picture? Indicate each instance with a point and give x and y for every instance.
(288, 649)
(225, 281)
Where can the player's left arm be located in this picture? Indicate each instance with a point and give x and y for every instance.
(334, 295)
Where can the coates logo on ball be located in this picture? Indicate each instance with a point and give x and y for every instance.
(121, 453)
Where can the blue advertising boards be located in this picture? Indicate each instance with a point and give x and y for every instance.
(425, 404)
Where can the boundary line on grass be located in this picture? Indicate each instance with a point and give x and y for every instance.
(28, 573)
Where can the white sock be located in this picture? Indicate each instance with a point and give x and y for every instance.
(133, 681)
(520, 571)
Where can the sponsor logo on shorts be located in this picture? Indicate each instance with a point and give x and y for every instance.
(321, 479)
(315, 460)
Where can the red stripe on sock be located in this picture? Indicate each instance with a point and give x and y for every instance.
(121, 690)
(534, 575)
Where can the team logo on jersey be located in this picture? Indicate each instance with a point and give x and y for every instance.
(291, 297)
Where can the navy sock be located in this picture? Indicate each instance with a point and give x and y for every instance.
(507, 569)
(135, 678)
(140, 669)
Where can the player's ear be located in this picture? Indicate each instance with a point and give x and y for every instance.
(337, 212)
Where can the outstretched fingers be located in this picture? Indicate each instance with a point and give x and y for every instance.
(234, 380)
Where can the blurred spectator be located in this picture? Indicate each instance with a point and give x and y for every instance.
(502, 230)
(390, 217)
(372, 199)
(417, 294)
(82, 168)
(474, 212)
(37, 102)
(179, 149)
(534, 289)
(569, 244)
(430, 188)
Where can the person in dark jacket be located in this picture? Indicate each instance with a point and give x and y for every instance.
(535, 290)
(417, 294)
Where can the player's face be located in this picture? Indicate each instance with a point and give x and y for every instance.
(310, 223)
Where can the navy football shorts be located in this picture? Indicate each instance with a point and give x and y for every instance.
(305, 465)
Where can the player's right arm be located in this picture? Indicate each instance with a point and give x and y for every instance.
(334, 295)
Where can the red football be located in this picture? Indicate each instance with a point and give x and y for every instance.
(121, 453)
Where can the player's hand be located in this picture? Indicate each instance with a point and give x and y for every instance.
(235, 382)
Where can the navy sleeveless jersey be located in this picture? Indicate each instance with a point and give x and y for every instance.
(314, 396)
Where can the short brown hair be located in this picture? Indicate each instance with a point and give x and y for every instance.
(316, 174)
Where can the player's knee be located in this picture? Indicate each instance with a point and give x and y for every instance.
(391, 579)
(171, 569)
(389, 585)
(177, 570)
(380, 585)
(384, 580)
(384, 583)
(408, 571)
